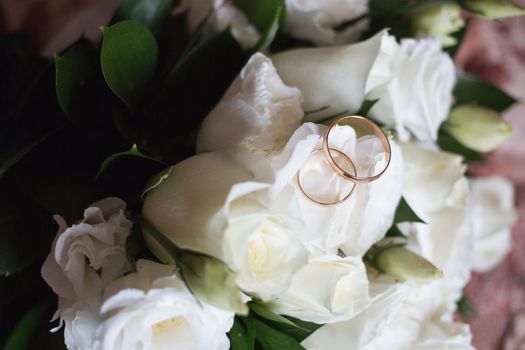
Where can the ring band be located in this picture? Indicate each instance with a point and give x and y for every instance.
(378, 132)
(320, 202)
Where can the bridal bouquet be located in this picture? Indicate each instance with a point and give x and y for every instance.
(259, 175)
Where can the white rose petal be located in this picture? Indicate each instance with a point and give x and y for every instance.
(258, 112)
(316, 20)
(333, 79)
(406, 317)
(433, 174)
(85, 258)
(265, 250)
(160, 314)
(413, 82)
(347, 226)
(327, 289)
(493, 212)
(226, 15)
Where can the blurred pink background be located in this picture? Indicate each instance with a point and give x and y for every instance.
(494, 51)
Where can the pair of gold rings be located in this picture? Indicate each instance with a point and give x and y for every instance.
(350, 174)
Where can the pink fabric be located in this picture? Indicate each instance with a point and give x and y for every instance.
(495, 51)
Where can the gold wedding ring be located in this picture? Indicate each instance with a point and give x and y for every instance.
(380, 134)
(323, 203)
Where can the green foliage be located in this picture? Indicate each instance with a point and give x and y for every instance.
(20, 338)
(271, 339)
(404, 213)
(465, 308)
(238, 336)
(24, 229)
(129, 59)
(79, 82)
(471, 90)
(266, 16)
(151, 13)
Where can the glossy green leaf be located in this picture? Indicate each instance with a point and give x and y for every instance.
(202, 75)
(79, 82)
(151, 13)
(366, 106)
(156, 180)
(269, 315)
(404, 213)
(250, 332)
(134, 152)
(448, 143)
(300, 329)
(21, 336)
(394, 231)
(238, 337)
(470, 90)
(26, 230)
(129, 60)
(271, 339)
(266, 16)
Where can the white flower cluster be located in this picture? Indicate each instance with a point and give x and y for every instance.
(104, 308)
(238, 200)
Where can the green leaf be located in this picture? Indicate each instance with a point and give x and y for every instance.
(266, 16)
(465, 308)
(470, 90)
(299, 331)
(271, 339)
(238, 337)
(250, 332)
(448, 143)
(20, 153)
(129, 60)
(151, 13)
(404, 213)
(267, 314)
(21, 336)
(366, 106)
(156, 180)
(202, 75)
(26, 230)
(133, 152)
(394, 231)
(79, 82)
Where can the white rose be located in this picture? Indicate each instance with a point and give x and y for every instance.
(316, 20)
(154, 310)
(413, 82)
(354, 225)
(264, 248)
(332, 79)
(433, 174)
(327, 289)
(251, 207)
(84, 259)
(258, 112)
(446, 236)
(493, 212)
(404, 316)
